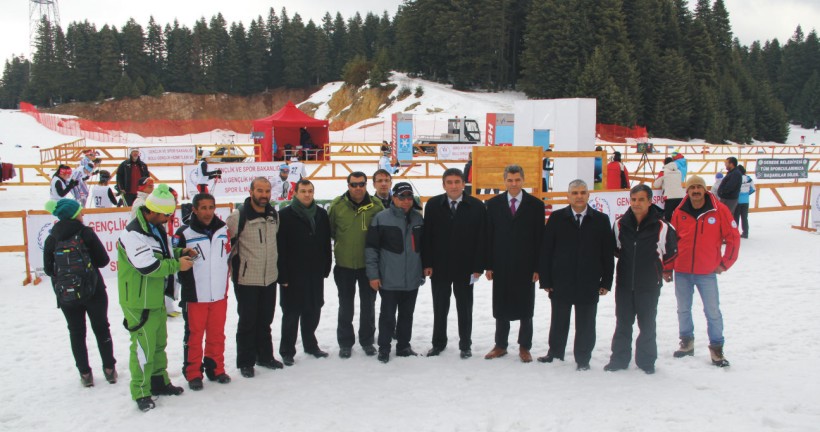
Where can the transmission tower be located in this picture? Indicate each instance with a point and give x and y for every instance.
(37, 9)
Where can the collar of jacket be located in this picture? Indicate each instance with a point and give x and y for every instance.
(710, 203)
(251, 214)
(196, 224)
(141, 225)
(365, 201)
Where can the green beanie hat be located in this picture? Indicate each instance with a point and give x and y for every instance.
(161, 200)
(65, 209)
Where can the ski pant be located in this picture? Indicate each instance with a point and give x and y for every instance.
(129, 198)
(742, 217)
(346, 280)
(585, 315)
(502, 333)
(301, 301)
(630, 304)
(148, 361)
(463, 292)
(669, 207)
(255, 306)
(97, 311)
(204, 320)
(405, 303)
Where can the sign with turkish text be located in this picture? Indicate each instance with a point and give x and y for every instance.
(235, 180)
(170, 155)
(767, 169)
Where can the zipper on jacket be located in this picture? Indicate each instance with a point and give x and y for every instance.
(244, 269)
(635, 253)
(260, 236)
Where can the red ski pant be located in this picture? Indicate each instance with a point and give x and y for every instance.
(208, 320)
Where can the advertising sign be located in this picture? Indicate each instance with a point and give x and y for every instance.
(454, 151)
(236, 178)
(108, 226)
(171, 155)
(403, 136)
(782, 168)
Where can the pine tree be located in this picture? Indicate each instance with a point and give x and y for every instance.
(14, 82)
(294, 53)
(597, 82)
(84, 60)
(155, 53)
(257, 57)
(43, 86)
(550, 58)
(379, 73)
(123, 88)
(673, 102)
(236, 60)
(110, 66)
(132, 45)
(276, 44)
(178, 72)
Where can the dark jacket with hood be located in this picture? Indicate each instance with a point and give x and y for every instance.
(65, 229)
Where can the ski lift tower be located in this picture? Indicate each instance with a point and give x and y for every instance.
(37, 9)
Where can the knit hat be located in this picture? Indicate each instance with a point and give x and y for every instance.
(695, 180)
(65, 209)
(161, 200)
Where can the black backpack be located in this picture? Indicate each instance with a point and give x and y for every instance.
(75, 277)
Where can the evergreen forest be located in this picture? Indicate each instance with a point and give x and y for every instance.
(657, 63)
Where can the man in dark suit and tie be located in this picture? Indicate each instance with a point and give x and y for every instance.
(577, 263)
(453, 256)
(515, 224)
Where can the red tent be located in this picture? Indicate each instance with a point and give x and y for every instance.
(282, 130)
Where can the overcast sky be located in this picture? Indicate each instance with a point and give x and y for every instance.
(751, 19)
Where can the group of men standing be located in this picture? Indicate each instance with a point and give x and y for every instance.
(383, 244)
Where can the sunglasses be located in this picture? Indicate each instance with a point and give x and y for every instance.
(404, 197)
(357, 185)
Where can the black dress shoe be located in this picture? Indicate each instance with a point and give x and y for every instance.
(434, 351)
(318, 353)
(287, 360)
(370, 350)
(465, 354)
(407, 352)
(582, 367)
(549, 358)
(612, 367)
(270, 364)
(384, 357)
(247, 371)
(649, 370)
(345, 352)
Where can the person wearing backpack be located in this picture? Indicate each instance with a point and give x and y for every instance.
(204, 293)
(75, 242)
(146, 261)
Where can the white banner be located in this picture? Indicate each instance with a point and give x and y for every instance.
(454, 151)
(815, 206)
(236, 177)
(108, 226)
(172, 155)
(615, 204)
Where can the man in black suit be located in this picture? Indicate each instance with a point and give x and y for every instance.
(515, 224)
(452, 254)
(577, 263)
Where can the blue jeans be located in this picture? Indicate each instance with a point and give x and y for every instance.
(685, 284)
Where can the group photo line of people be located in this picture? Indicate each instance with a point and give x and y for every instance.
(387, 247)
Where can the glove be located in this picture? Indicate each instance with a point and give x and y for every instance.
(72, 183)
(219, 172)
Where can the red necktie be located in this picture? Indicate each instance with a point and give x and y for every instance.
(512, 206)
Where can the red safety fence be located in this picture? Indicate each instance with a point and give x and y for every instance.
(619, 134)
(117, 131)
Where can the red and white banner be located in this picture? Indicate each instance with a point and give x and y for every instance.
(108, 226)
(171, 155)
(236, 177)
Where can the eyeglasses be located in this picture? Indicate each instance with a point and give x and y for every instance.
(404, 197)
(358, 184)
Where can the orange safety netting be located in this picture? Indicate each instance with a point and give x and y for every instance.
(117, 131)
(616, 133)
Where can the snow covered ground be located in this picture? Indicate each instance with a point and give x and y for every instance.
(769, 305)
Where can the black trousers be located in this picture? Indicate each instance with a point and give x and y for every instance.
(405, 303)
(463, 292)
(584, 329)
(97, 311)
(502, 333)
(129, 198)
(628, 305)
(346, 280)
(302, 308)
(742, 217)
(669, 208)
(255, 306)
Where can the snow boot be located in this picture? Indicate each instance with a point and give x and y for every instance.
(87, 380)
(687, 347)
(145, 404)
(195, 384)
(717, 356)
(110, 375)
(159, 388)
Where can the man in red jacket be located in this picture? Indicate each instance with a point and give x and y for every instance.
(703, 224)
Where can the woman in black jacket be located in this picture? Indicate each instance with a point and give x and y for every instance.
(96, 307)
